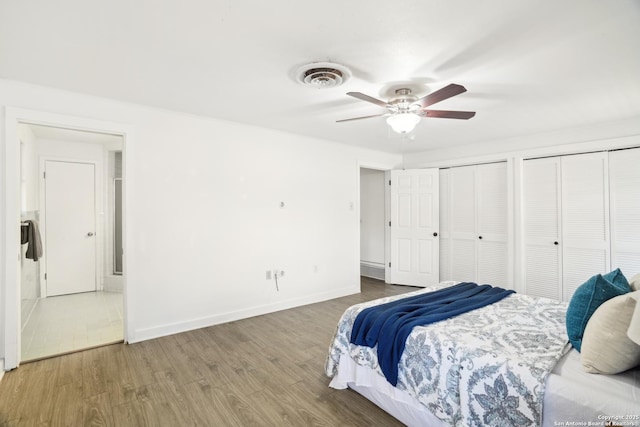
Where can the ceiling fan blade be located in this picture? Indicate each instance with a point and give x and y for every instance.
(360, 118)
(367, 98)
(442, 114)
(441, 94)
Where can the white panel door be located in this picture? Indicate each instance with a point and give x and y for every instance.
(70, 243)
(624, 185)
(541, 211)
(414, 227)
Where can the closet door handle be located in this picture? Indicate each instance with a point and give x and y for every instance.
(555, 243)
(435, 234)
(480, 237)
(90, 234)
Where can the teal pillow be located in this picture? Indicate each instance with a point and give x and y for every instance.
(616, 278)
(586, 299)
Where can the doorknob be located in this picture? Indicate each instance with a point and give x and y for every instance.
(90, 234)
(435, 234)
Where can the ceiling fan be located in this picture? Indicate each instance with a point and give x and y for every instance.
(405, 110)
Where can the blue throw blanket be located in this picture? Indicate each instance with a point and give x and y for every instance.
(388, 325)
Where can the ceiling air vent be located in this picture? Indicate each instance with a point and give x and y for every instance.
(322, 75)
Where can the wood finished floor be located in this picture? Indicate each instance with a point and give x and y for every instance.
(263, 371)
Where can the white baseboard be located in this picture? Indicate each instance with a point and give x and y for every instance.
(374, 270)
(112, 283)
(203, 322)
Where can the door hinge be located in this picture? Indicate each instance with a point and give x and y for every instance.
(389, 223)
(389, 182)
(45, 276)
(44, 175)
(389, 264)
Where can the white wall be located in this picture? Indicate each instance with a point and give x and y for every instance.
(203, 218)
(372, 206)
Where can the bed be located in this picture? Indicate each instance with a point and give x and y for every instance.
(507, 363)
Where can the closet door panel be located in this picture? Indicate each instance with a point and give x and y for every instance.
(463, 260)
(579, 265)
(492, 200)
(463, 223)
(445, 260)
(445, 226)
(463, 201)
(476, 226)
(542, 271)
(541, 211)
(585, 218)
(541, 188)
(492, 268)
(492, 224)
(445, 201)
(624, 184)
(585, 207)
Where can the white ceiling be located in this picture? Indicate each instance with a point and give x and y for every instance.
(529, 65)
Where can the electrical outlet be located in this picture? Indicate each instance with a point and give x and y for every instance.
(268, 274)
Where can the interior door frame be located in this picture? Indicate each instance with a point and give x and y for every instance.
(98, 195)
(10, 287)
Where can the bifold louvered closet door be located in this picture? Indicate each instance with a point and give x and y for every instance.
(624, 184)
(541, 212)
(571, 205)
(473, 224)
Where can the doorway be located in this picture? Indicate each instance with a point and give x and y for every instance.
(372, 223)
(399, 225)
(75, 300)
(12, 259)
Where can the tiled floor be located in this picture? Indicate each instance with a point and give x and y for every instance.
(72, 322)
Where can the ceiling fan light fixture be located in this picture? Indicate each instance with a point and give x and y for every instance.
(403, 122)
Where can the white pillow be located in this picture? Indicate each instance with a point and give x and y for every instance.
(635, 283)
(606, 347)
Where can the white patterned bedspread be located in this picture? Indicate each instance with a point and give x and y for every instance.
(484, 367)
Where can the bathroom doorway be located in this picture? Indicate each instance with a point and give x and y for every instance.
(62, 311)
